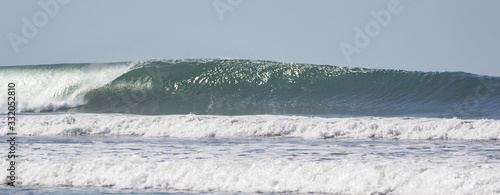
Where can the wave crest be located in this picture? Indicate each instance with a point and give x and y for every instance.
(238, 87)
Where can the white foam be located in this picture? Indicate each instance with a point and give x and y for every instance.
(258, 165)
(256, 126)
(343, 177)
(50, 89)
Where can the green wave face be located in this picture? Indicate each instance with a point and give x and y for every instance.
(243, 87)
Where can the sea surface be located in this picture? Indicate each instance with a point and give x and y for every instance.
(234, 126)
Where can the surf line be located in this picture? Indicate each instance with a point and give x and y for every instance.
(11, 124)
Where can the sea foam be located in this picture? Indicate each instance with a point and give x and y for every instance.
(199, 126)
(343, 177)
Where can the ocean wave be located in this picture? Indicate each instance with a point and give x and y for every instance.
(243, 87)
(257, 176)
(45, 88)
(194, 126)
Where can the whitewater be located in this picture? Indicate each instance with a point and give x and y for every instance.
(234, 126)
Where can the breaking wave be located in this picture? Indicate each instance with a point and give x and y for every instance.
(246, 87)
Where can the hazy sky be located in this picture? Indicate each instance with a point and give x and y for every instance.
(431, 35)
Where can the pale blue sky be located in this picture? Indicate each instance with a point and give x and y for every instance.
(444, 35)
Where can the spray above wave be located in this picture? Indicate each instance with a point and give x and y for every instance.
(233, 87)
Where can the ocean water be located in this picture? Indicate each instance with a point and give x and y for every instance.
(228, 126)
